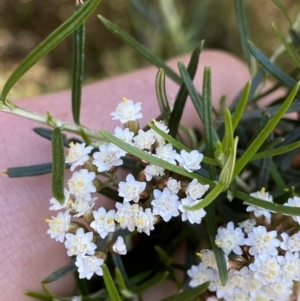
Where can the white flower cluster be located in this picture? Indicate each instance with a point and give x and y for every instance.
(266, 264)
(144, 202)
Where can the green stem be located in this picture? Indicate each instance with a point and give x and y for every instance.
(15, 110)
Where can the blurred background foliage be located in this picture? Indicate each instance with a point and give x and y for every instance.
(167, 27)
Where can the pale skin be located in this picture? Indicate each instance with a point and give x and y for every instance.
(28, 254)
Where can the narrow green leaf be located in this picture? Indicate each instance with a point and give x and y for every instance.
(195, 97)
(238, 113)
(191, 134)
(210, 143)
(277, 177)
(283, 78)
(276, 151)
(48, 291)
(189, 294)
(55, 38)
(110, 285)
(82, 285)
(265, 168)
(70, 267)
(270, 144)
(227, 142)
(160, 88)
(295, 37)
(78, 68)
(38, 296)
(139, 48)
(210, 197)
(181, 97)
(164, 257)
(256, 113)
(123, 289)
(294, 55)
(141, 277)
(226, 175)
(117, 260)
(256, 80)
(261, 124)
(169, 138)
(151, 282)
(179, 145)
(207, 114)
(111, 193)
(243, 29)
(212, 231)
(256, 144)
(267, 205)
(154, 160)
(167, 261)
(283, 9)
(58, 165)
(46, 132)
(28, 171)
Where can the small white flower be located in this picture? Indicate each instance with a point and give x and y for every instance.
(294, 202)
(290, 266)
(59, 225)
(76, 298)
(125, 135)
(127, 111)
(160, 140)
(56, 205)
(88, 265)
(165, 204)
(259, 295)
(119, 246)
(225, 291)
(230, 239)
(80, 244)
(81, 183)
(239, 295)
(173, 185)
(201, 274)
(266, 270)
(290, 243)
(279, 291)
(152, 171)
(131, 189)
(189, 161)
(104, 221)
(265, 196)
(254, 285)
(125, 216)
(144, 140)
(262, 242)
(108, 157)
(166, 153)
(78, 154)
(196, 190)
(81, 205)
(240, 278)
(193, 216)
(144, 220)
(133, 217)
(247, 225)
(208, 258)
(160, 124)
